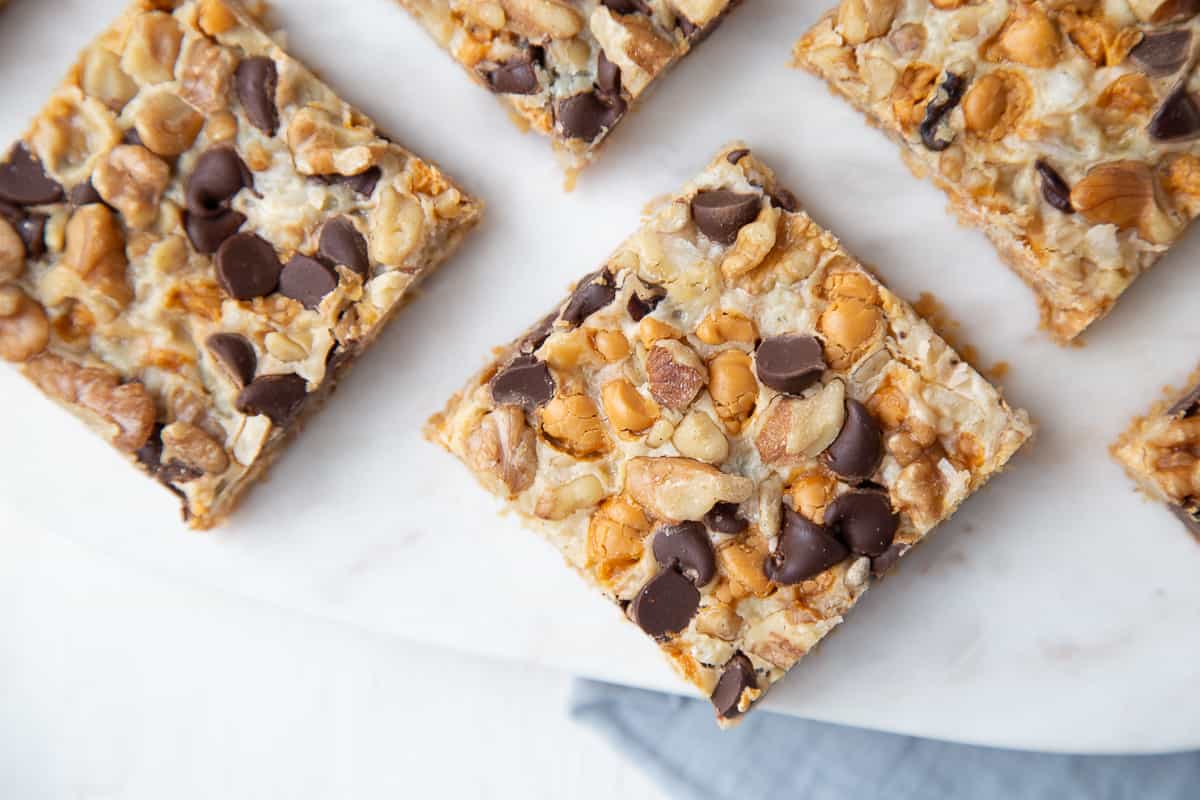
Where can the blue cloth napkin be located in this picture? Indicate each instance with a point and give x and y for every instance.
(775, 756)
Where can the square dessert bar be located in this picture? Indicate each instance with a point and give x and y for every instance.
(197, 237)
(569, 69)
(1065, 130)
(1161, 452)
(730, 428)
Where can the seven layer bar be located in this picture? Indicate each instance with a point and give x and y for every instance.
(731, 428)
(197, 237)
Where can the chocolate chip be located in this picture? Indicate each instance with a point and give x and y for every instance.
(256, 80)
(149, 455)
(538, 334)
(515, 76)
(178, 472)
(626, 6)
(1187, 405)
(218, 175)
(724, 518)
(279, 397)
(247, 266)
(666, 604)
(1177, 117)
(341, 243)
(864, 520)
(639, 306)
(1054, 188)
(805, 549)
(736, 677)
(586, 115)
(945, 99)
(591, 294)
(84, 194)
(790, 363)
(686, 548)
(856, 452)
(362, 183)
(734, 156)
(24, 182)
(782, 198)
(608, 77)
(881, 565)
(1161, 53)
(525, 382)
(207, 233)
(1190, 517)
(720, 214)
(306, 280)
(235, 354)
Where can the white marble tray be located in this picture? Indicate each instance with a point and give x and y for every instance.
(1057, 611)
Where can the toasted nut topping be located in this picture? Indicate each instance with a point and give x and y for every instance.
(742, 561)
(96, 252)
(682, 488)
(753, 243)
(911, 93)
(811, 492)
(1122, 193)
(612, 345)
(397, 224)
(727, 326)
(615, 535)
(1159, 11)
(205, 73)
(718, 620)
(627, 410)
(127, 408)
(151, 47)
(544, 19)
(995, 103)
(699, 437)
(861, 20)
(1030, 38)
(101, 77)
(191, 446)
(801, 428)
(567, 350)
(323, 145)
(132, 180)
(733, 387)
(24, 329)
(560, 502)
(166, 124)
(573, 424)
(12, 252)
(215, 17)
(503, 448)
(676, 373)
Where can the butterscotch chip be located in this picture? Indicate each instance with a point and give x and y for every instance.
(730, 474)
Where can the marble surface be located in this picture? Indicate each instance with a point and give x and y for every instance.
(1057, 595)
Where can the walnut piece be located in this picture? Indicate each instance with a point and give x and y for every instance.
(126, 409)
(503, 447)
(682, 488)
(132, 180)
(96, 252)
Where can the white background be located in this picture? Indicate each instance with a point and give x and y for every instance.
(1058, 610)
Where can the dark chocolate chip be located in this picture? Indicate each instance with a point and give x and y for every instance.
(736, 677)
(608, 77)
(176, 471)
(626, 6)
(720, 214)
(1054, 188)
(279, 397)
(1177, 117)
(734, 156)
(948, 94)
(256, 80)
(686, 547)
(525, 382)
(84, 194)
(587, 115)
(516, 76)
(856, 452)
(864, 520)
(666, 604)
(247, 266)
(724, 518)
(1187, 405)
(1161, 53)
(591, 294)
(805, 549)
(307, 280)
(218, 175)
(235, 354)
(1190, 517)
(341, 243)
(881, 565)
(782, 198)
(149, 455)
(362, 183)
(207, 233)
(24, 182)
(639, 306)
(790, 363)
(538, 335)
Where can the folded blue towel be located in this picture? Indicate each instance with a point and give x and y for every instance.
(769, 755)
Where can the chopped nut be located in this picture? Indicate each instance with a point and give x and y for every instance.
(676, 373)
(71, 133)
(566, 350)
(1160, 11)
(397, 225)
(919, 491)
(560, 502)
(627, 410)
(283, 348)
(187, 444)
(682, 488)
(127, 409)
(650, 330)
(631, 42)
(995, 103)
(205, 73)
(718, 620)
(889, 406)
(543, 19)
(811, 492)
(614, 538)
(753, 243)
(1122, 193)
(722, 326)
(324, 145)
(503, 448)
(12, 252)
(151, 47)
(770, 505)
(573, 424)
(96, 252)
(741, 560)
(132, 180)
(699, 437)
(1029, 37)
(861, 20)
(799, 428)
(24, 329)
(911, 93)
(167, 125)
(612, 345)
(215, 17)
(733, 388)
(101, 77)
